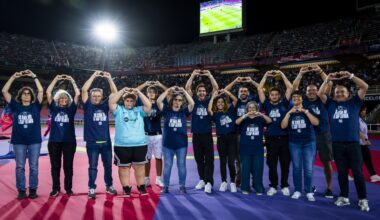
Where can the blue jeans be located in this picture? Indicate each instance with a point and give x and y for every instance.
(93, 152)
(181, 164)
(32, 152)
(303, 156)
(252, 164)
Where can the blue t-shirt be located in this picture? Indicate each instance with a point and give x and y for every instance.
(300, 129)
(241, 105)
(200, 119)
(62, 123)
(129, 126)
(225, 121)
(26, 128)
(96, 126)
(344, 117)
(152, 120)
(175, 129)
(320, 111)
(276, 113)
(251, 136)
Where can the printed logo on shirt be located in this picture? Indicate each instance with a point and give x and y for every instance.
(252, 130)
(241, 110)
(25, 119)
(201, 111)
(175, 123)
(315, 109)
(61, 118)
(298, 123)
(99, 116)
(225, 120)
(152, 113)
(274, 114)
(341, 113)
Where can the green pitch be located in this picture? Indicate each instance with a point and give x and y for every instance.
(221, 18)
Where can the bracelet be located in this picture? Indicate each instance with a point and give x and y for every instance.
(327, 81)
(351, 76)
(35, 77)
(306, 111)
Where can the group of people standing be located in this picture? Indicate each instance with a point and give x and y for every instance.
(291, 126)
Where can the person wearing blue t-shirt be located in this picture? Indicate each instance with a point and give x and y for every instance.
(203, 144)
(223, 115)
(276, 138)
(343, 112)
(299, 122)
(26, 131)
(130, 141)
(175, 133)
(152, 124)
(62, 141)
(323, 136)
(243, 98)
(252, 147)
(97, 133)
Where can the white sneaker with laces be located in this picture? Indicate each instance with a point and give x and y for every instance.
(271, 191)
(342, 201)
(159, 182)
(147, 181)
(285, 191)
(296, 195)
(201, 184)
(310, 197)
(208, 188)
(223, 187)
(375, 178)
(233, 188)
(363, 204)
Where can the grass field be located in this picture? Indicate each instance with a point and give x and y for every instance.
(221, 18)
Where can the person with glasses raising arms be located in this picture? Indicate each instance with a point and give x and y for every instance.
(175, 133)
(26, 131)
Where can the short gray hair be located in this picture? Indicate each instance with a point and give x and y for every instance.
(61, 93)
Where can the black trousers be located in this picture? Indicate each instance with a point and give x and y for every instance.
(366, 152)
(56, 150)
(278, 150)
(204, 156)
(227, 154)
(348, 155)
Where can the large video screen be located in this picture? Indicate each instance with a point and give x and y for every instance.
(221, 15)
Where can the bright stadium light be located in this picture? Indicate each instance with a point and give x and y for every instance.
(106, 31)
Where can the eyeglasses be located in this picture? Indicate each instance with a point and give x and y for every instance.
(178, 100)
(26, 93)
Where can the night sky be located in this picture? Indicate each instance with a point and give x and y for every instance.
(153, 22)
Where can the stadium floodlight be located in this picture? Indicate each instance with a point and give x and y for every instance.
(106, 31)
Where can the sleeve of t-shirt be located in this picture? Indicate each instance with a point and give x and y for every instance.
(285, 102)
(329, 100)
(186, 110)
(105, 106)
(86, 104)
(139, 102)
(52, 106)
(117, 111)
(73, 108)
(141, 110)
(38, 105)
(265, 105)
(13, 104)
(357, 101)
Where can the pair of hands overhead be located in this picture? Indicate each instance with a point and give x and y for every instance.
(177, 90)
(152, 83)
(102, 74)
(64, 77)
(241, 79)
(127, 90)
(311, 68)
(199, 72)
(273, 73)
(339, 75)
(27, 73)
(219, 92)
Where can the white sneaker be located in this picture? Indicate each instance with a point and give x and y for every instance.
(147, 181)
(208, 188)
(310, 197)
(342, 201)
(375, 178)
(223, 187)
(245, 192)
(159, 182)
(233, 188)
(350, 178)
(285, 191)
(296, 195)
(271, 191)
(363, 204)
(201, 184)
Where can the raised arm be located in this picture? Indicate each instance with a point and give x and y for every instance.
(76, 89)
(260, 88)
(363, 86)
(214, 84)
(313, 119)
(160, 85)
(111, 83)
(160, 99)
(288, 84)
(190, 101)
(322, 90)
(233, 83)
(147, 105)
(189, 82)
(143, 85)
(210, 104)
(87, 85)
(233, 98)
(40, 89)
(7, 86)
(114, 98)
(49, 90)
(297, 80)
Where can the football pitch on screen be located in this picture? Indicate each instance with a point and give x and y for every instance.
(221, 18)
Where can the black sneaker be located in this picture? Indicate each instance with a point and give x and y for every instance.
(329, 194)
(111, 190)
(314, 189)
(21, 195)
(54, 193)
(182, 190)
(91, 194)
(142, 190)
(33, 193)
(127, 191)
(69, 192)
(165, 189)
